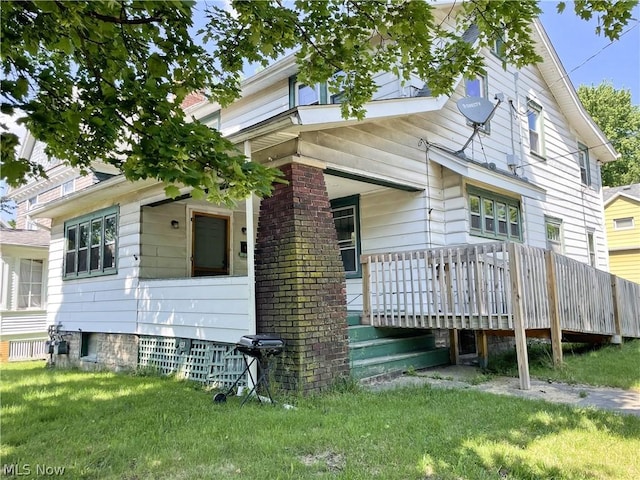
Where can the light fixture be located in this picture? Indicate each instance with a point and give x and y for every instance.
(175, 224)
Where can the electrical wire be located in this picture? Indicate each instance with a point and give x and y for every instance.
(637, 23)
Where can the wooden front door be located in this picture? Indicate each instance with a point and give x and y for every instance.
(210, 248)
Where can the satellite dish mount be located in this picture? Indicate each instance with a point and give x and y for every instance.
(478, 111)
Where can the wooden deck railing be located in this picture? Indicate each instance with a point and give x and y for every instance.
(477, 286)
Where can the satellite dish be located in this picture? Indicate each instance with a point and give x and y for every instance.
(477, 110)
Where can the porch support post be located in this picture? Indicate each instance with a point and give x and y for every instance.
(518, 317)
(483, 348)
(300, 281)
(454, 356)
(617, 309)
(251, 269)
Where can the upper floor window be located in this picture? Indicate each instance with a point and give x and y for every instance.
(591, 247)
(30, 283)
(623, 223)
(346, 212)
(30, 224)
(68, 187)
(583, 162)
(494, 216)
(553, 229)
(498, 48)
(91, 244)
(477, 87)
(212, 120)
(302, 94)
(536, 130)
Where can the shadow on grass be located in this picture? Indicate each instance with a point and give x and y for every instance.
(602, 365)
(108, 426)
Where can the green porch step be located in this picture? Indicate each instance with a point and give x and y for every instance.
(353, 318)
(377, 351)
(399, 363)
(362, 333)
(383, 347)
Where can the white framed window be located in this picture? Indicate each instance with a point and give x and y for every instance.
(212, 120)
(302, 94)
(583, 163)
(91, 244)
(553, 229)
(30, 284)
(591, 247)
(494, 216)
(535, 121)
(625, 223)
(68, 187)
(498, 48)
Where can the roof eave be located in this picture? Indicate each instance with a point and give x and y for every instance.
(559, 83)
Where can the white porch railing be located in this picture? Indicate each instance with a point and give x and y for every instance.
(477, 287)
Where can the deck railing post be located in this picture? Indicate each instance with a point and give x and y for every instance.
(554, 309)
(617, 320)
(366, 290)
(518, 317)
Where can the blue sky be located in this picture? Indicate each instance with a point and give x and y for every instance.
(575, 42)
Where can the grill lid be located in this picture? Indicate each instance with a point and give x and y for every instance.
(257, 345)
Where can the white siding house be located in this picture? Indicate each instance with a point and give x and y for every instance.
(398, 179)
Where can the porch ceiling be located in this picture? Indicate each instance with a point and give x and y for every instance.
(338, 187)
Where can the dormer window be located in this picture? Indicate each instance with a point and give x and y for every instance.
(302, 94)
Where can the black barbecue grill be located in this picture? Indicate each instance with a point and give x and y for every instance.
(255, 349)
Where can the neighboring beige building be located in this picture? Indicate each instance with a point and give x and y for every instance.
(24, 255)
(622, 217)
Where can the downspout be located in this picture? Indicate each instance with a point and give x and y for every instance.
(523, 210)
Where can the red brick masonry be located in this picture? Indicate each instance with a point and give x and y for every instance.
(300, 282)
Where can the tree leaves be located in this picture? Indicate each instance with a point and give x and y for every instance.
(619, 120)
(105, 79)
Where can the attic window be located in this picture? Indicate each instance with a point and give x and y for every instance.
(623, 223)
(302, 94)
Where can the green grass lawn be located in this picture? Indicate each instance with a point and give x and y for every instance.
(117, 426)
(610, 366)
